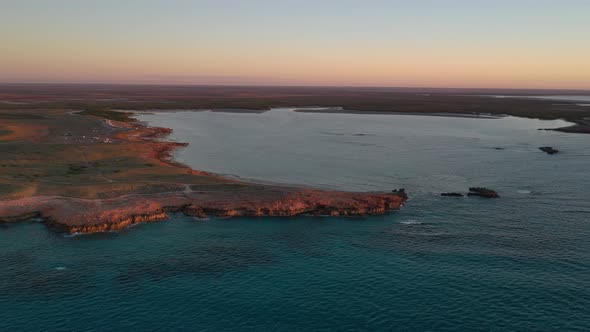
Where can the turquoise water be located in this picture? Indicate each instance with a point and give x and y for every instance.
(521, 262)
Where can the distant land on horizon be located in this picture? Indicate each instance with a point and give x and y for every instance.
(401, 89)
(101, 98)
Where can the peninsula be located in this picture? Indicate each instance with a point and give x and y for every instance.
(94, 171)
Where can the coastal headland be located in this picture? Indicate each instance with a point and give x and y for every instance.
(84, 172)
(71, 157)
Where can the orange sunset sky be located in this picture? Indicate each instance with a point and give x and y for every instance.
(504, 44)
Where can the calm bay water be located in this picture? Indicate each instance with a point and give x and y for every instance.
(521, 262)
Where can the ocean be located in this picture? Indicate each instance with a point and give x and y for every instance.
(521, 262)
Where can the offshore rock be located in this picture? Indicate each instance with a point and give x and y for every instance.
(400, 193)
(548, 150)
(483, 192)
(452, 194)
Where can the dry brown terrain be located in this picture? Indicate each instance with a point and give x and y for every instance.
(82, 172)
(240, 98)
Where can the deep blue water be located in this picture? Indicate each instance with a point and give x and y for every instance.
(521, 262)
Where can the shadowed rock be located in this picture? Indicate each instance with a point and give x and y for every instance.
(452, 194)
(400, 193)
(482, 192)
(548, 150)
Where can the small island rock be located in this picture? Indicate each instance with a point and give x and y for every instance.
(452, 194)
(548, 149)
(482, 192)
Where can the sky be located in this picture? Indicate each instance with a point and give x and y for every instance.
(417, 43)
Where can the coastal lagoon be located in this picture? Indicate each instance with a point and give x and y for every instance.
(358, 152)
(520, 262)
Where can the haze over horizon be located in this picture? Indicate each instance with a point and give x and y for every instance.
(463, 44)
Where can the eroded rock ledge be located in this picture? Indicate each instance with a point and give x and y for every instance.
(73, 215)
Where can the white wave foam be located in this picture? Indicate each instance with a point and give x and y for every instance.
(69, 235)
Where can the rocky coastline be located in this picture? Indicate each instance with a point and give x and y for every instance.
(220, 197)
(90, 216)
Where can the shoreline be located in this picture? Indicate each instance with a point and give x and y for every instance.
(578, 126)
(436, 114)
(219, 197)
(256, 99)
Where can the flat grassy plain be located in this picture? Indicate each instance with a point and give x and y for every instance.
(100, 98)
(71, 155)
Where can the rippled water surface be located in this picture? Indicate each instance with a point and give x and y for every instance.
(521, 262)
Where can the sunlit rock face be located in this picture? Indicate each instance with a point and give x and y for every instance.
(89, 216)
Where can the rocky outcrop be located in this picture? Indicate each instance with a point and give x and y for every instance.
(73, 215)
(548, 149)
(400, 192)
(482, 192)
(452, 194)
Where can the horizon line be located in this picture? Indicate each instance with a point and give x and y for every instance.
(294, 86)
